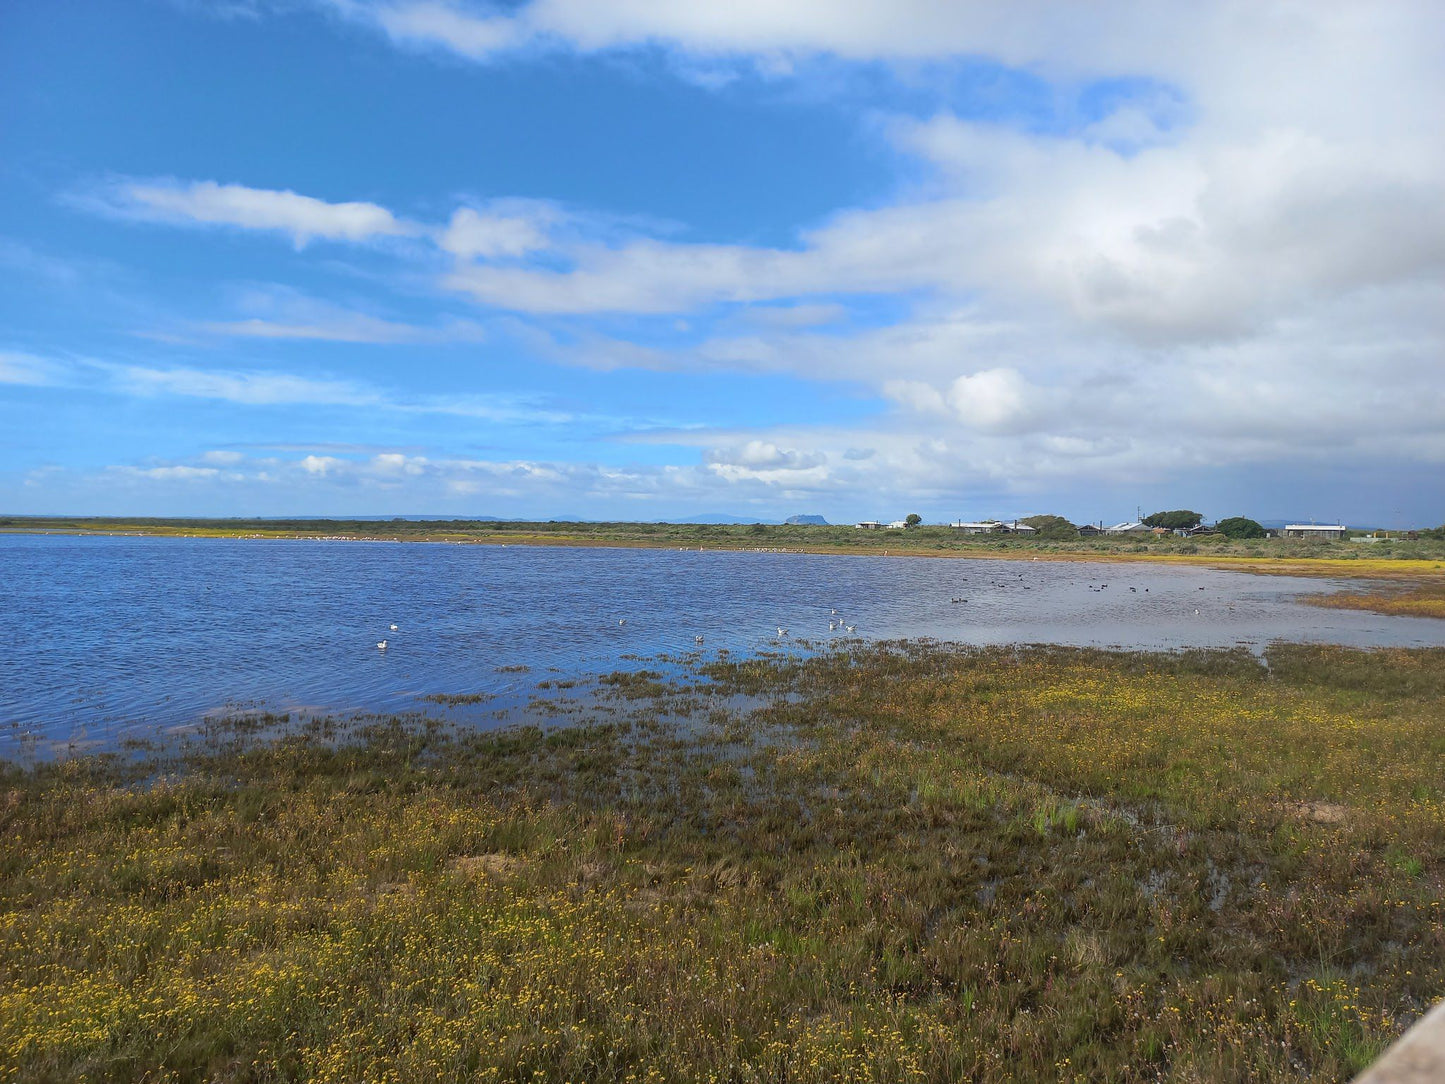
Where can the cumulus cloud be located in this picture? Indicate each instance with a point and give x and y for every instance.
(509, 230)
(994, 399)
(764, 455)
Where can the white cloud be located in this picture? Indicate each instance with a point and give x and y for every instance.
(265, 388)
(321, 464)
(26, 369)
(762, 455)
(347, 328)
(437, 23)
(170, 474)
(207, 203)
(499, 233)
(245, 388)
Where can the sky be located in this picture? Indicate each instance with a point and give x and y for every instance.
(641, 260)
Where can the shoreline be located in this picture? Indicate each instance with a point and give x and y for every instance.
(1410, 586)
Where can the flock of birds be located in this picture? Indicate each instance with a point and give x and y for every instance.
(836, 623)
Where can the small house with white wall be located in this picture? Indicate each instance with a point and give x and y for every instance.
(1326, 532)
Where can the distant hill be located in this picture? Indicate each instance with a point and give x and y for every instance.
(810, 521)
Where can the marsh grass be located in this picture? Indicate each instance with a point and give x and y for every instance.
(909, 862)
(1411, 598)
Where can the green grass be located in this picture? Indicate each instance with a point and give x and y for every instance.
(912, 863)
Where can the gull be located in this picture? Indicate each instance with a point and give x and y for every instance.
(393, 628)
(782, 632)
(1196, 613)
(622, 622)
(697, 639)
(851, 628)
(381, 645)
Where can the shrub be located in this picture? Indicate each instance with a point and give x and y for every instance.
(1239, 527)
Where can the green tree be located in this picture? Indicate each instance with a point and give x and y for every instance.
(1052, 528)
(1180, 519)
(913, 519)
(1239, 527)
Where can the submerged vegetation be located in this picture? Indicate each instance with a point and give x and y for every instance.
(890, 863)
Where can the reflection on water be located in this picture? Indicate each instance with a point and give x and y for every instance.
(120, 635)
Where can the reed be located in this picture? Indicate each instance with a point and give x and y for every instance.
(900, 863)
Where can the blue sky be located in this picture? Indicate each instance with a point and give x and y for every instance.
(642, 260)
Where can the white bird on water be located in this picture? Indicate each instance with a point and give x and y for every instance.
(697, 639)
(622, 622)
(851, 628)
(381, 645)
(782, 632)
(393, 628)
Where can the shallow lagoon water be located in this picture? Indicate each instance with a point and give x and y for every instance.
(110, 637)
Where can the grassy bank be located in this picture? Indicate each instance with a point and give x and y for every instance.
(922, 541)
(912, 864)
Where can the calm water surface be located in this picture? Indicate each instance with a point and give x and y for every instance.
(107, 637)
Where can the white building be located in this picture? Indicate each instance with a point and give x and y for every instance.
(870, 525)
(1330, 531)
(1133, 527)
(994, 526)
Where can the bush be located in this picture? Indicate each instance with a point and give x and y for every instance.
(1239, 527)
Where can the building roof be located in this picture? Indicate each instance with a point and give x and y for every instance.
(1315, 527)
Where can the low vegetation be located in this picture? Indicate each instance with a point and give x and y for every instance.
(1409, 598)
(909, 863)
(1057, 538)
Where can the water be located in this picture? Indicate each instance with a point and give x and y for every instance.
(109, 637)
